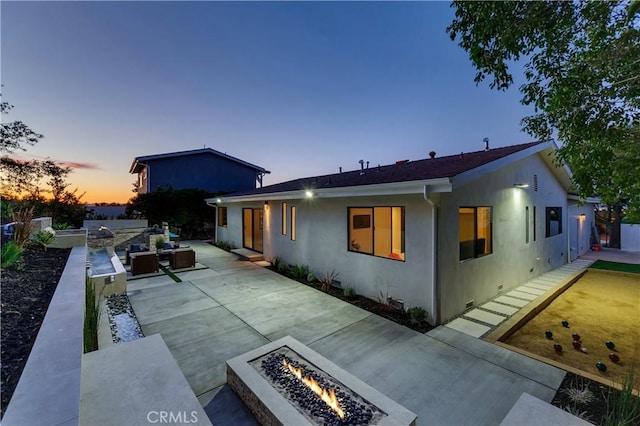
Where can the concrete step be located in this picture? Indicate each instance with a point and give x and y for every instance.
(250, 255)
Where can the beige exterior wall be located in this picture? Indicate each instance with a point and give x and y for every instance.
(581, 221)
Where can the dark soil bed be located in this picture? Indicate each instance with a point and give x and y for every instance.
(26, 290)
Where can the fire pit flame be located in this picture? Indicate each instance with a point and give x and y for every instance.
(329, 397)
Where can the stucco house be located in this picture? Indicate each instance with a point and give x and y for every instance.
(444, 233)
(205, 169)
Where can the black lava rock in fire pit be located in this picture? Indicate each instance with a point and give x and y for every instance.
(284, 378)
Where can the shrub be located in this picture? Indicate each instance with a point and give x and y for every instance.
(623, 407)
(418, 314)
(225, 245)
(45, 237)
(311, 277)
(11, 252)
(283, 268)
(159, 243)
(349, 292)
(60, 226)
(22, 218)
(327, 279)
(300, 272)
(275, 263)
(579, 392)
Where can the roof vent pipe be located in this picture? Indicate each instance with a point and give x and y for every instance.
(486, 144)
(340, 168)
(361, 166)
(367, 164)
(432, 154)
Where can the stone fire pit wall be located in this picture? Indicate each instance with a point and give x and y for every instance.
(271, 408)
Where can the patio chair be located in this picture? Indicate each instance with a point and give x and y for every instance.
(182, 258)
(133, 248)
(144, 262)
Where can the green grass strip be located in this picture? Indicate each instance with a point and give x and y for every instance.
(171, 274)
(616, 266)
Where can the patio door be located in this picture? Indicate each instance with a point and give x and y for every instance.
(252, 229)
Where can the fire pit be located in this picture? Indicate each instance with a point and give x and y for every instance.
(285, 382)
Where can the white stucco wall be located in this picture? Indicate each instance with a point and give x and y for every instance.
(580, 228)
(322, 244)
(630, 236)
(513, 260)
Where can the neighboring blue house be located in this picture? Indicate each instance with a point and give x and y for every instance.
(205, 169)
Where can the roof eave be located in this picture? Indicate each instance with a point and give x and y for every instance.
(393, 188)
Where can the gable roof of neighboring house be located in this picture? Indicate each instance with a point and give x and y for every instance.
(407, 176)
(139, 162)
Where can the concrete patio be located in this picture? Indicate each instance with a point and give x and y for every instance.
(233, 306)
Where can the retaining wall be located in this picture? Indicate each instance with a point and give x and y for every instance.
(114, 224)
(48, 392)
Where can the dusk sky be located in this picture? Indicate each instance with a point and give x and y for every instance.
(299, 88)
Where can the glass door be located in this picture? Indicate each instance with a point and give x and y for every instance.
(252, 224)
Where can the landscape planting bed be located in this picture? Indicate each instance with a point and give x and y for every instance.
(600, 307)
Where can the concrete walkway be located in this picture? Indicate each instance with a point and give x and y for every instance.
(446, 377)
(480, 321)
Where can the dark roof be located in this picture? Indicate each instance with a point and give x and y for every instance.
(139, 161)
(431, 168)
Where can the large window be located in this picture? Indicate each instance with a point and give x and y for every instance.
(553, 221)
(378, 231)
(475, 231)
(222, 216)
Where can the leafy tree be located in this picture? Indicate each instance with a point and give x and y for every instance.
(582, 71)
(15, 135)
(184, 209)
(22, 181)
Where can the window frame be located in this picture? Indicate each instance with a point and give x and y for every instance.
(220, 216)
(527, 237)
(476, 254)
(292, 221)
(283, 212)
(547, 220)
(371, 222)
(534, 223)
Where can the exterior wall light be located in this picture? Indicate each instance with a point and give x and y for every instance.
(309, 194)
(218, 200)
(521, 185)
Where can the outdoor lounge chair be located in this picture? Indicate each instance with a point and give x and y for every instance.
(133, 248)
(182, 258)
(144, 262)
